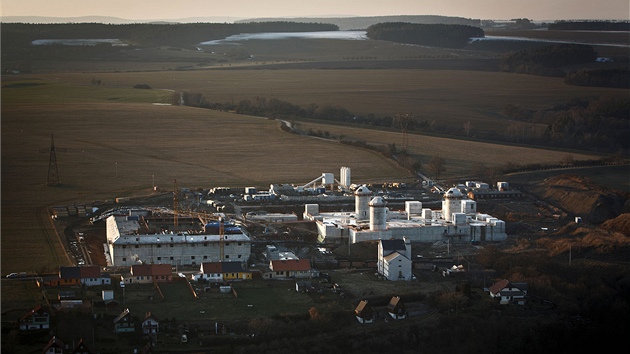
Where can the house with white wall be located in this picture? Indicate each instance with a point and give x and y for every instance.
(394, 259)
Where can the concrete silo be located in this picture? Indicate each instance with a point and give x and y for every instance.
(361, 202)
(378, 214)
(452, 203)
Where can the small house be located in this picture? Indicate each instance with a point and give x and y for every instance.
(81, 348)
(150, 324)
(234, 270)
(148, 273)
(218, 272)
(69, 276)
(54, 346)
(90, 275)
(35, 319)
(124, 322)
(364, 312)
(289, 268)
(210, 271)
(509, 292)
(396, 308)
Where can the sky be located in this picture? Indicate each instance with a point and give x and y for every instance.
(537, 10)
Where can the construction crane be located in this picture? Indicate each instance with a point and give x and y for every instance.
(221, 236)
(175, 206)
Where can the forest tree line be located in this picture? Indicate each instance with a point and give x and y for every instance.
(436, 35)
(547, 60)
(596, 124)
(589, 26)
(550, 61)
(146, 34)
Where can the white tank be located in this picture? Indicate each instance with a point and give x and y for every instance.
(345, 177)
(452, 203)
(361, 202)
(328, 178)
(378, 214)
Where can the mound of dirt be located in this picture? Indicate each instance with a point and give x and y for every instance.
(619, 224)
(580, 196)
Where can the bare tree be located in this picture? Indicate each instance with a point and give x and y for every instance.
(436, 166)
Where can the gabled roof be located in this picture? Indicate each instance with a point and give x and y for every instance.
(393, 245)
(151, 269)
(81, 348)
(291, 264)
(393, 256)
(69, 272)
(504, 283)
(221, 267)
(90, 272)
(54, 343)
(211, 267)
(496, 287)
(121, 316)
(150, 316)
(37, 309)
(232, 267)
(363, 309)
(394, 303)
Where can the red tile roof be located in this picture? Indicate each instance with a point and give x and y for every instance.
(498, 286)
(211, 267)
(151, 269)
(90, 272)
(291, 264)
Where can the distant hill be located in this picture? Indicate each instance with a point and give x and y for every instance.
(344, 23)
(361, 23)
(111, 20)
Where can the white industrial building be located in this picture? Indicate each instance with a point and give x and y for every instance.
(134, 239)
(457, 221)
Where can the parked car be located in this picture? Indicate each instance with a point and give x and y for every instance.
(12, 275)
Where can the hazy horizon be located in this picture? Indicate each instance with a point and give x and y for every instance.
(155, 10)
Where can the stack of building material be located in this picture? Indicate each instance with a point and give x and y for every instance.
(60, 211)
(81, 212)
(72, 210)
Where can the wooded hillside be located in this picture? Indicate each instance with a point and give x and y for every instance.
(437, 35)
(20, 34)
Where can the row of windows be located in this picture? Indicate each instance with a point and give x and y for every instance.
(205, 244)
(227, 256)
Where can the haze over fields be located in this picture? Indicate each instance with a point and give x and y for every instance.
(229, 11)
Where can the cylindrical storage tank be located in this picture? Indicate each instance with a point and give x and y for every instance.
(361, 202)
(345, 177)
(378, 214)
(452, 203)
(328, 178)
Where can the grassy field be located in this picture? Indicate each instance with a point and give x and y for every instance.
(256, 299)
(112, 141)
(437, 96)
